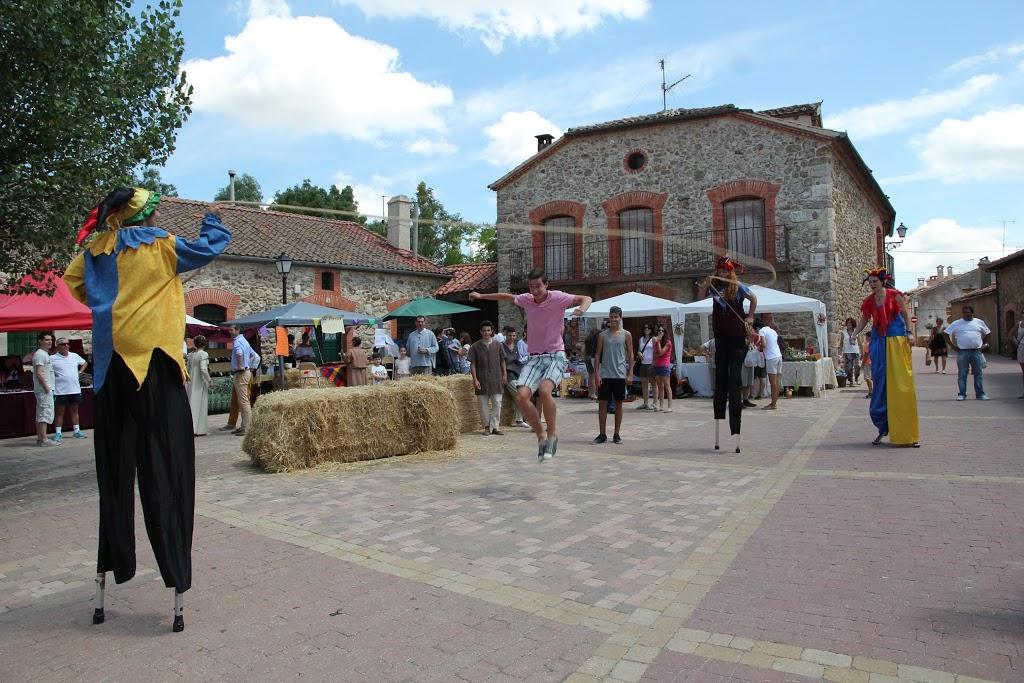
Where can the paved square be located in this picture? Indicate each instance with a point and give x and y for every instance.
(808, 556)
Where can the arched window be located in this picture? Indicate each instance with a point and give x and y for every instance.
(636, 241)
(211, 313)
(559, 247)
(744, 227)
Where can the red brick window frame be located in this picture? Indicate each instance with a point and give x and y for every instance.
(213, 295)
(613, 207)
(552, 210)
(332, 277)
(744, 189)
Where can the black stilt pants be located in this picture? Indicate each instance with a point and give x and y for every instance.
(729, 355)
(148, 429)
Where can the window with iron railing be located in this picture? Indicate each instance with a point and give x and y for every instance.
(744, 227)
(636, 242)
(559, 247)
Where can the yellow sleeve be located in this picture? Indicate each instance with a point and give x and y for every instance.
(74, 277)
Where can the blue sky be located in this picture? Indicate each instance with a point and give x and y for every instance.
(381, 94)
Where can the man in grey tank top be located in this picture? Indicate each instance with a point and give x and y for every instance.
(614, 365)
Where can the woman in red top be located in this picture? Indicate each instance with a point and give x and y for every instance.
(662, 368)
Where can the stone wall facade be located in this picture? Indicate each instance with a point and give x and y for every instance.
(1010, 299)
(693, 167)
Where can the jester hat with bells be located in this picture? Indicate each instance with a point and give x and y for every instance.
(123, 206)
(730, 264)
(881, 273)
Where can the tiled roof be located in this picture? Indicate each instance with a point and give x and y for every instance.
(1005, 261)
(256, 233)
(932, 284)
(468, 277)
(659, 117)
(977, 292)
(812, 109)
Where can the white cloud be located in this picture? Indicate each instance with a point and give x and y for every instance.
(962, 247)
(307, 75)
(511, 140)
(989, 146)
(991, 56)
(259, 9)
(498, 22)
(584, 92)
(887, 117)
(432, 147)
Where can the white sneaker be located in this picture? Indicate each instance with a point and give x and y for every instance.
(961, 398)
(46, 442)
(984, 397)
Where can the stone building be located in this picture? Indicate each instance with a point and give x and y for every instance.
(336, 263)
(1009, 272)
(647, 203)
(930, 300)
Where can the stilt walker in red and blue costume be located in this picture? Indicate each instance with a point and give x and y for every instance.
(128, 276)
(893, 407)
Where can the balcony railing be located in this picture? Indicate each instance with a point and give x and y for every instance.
(690, 253)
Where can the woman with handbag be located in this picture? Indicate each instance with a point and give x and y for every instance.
(662, 369)
(644, 361)
(753, 361)
(938, 349)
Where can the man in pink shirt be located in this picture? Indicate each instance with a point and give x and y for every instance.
(545, 311)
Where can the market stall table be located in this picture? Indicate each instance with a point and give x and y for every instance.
(699, 375)
(18, 413)
(816, 374)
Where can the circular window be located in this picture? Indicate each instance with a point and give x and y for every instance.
(636, 161)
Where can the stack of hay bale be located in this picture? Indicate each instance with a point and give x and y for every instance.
(303, 428)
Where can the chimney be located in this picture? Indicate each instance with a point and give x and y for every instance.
(399, 222)
(920, 282)
(544, 141)
(949, 271)
(940, 271)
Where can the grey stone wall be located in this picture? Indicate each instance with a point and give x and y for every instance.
(853, 239)
(686, 160)
(1010, 299)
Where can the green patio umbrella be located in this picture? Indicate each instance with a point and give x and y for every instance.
(427, 306)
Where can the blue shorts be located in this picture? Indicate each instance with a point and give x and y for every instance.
(67, 399)
(663, 371)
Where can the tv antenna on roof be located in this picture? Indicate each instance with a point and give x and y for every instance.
(666, 88)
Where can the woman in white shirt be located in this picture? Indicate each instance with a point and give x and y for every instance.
(851, 352)
(645, 352)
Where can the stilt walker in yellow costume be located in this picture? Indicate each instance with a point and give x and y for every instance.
(128, 276)
(893, 396)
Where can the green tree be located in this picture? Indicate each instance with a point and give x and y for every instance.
(486, 240)
(247, 189)
(92, 89)
(441, 234)
(315, 197)
(151, 180)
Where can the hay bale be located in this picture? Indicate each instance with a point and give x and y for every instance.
(303, 428)
(461, 388)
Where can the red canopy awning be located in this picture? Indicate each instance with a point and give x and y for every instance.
(31, 312)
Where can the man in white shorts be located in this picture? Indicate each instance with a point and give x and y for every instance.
(545, 312)
(772, 360)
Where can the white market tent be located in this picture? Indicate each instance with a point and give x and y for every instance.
(774, 301)
(637, 305)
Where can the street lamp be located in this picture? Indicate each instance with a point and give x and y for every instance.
(284, 266)
(902, 232)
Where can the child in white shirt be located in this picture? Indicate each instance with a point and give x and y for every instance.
(402, 365)
(378, 372)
